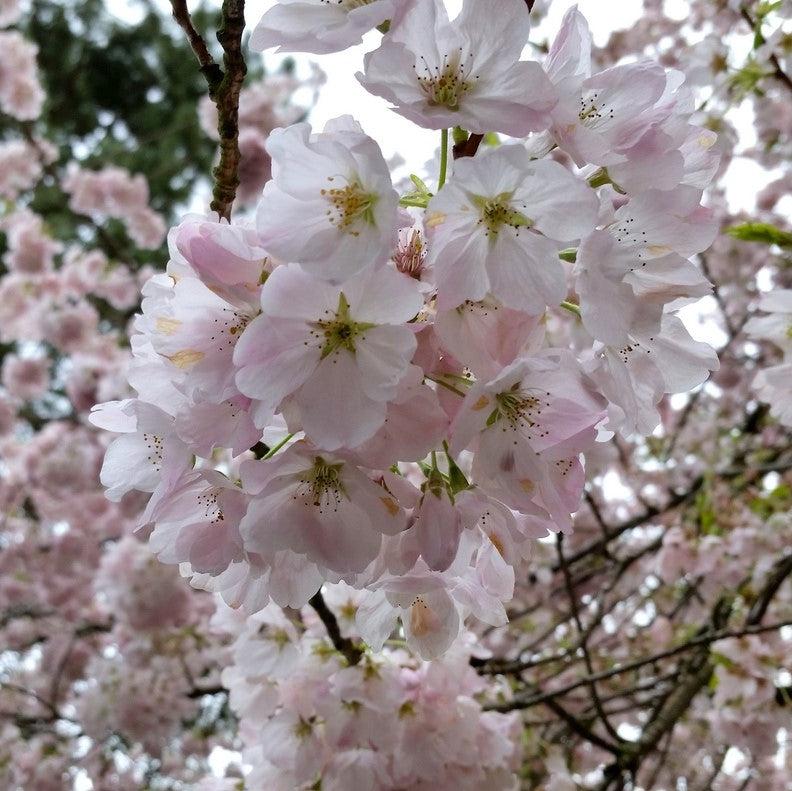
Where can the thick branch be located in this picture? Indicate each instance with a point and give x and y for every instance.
(349, 649)
(224, 86)
(226, 97)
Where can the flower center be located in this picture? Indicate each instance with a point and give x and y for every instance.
(593, 112)
(499, 211)
(445, 85)
(228, 328)
(338, 331)
(348, 205)
(213, 511)
(409, 257)
(321, 486)
(520, 410)
(154, 446)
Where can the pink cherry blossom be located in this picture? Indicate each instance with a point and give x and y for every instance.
(330, 205)
(319, 506)
(466, 72)
(318, 26)
(497, 226)
(340, 352)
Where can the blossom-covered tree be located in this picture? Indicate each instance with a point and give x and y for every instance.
(474, 479)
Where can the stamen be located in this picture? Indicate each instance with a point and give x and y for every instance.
(445, 86)
(321, 486)
(520, 410)
(348, 205)
(499, 211)
(338, 331)
(409, 257)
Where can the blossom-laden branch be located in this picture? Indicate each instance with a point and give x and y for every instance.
(225, 85)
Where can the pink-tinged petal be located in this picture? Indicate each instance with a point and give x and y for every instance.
(437, 527)
(204, 427)
(459, 275)
(334, 409)
(561, 205)
(568, 61)
(117, 416)
(219, 251)
(525, 272)
(684, 362)
(486, 336)
(382, 507)
(320, 28)
(293, 580)
(412, 428)
(376, 619)
(291, 293)
(383, 296)
(431, 623)
(383, 357)
(273, 359)
(128, 465)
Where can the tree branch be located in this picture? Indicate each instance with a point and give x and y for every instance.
(536, 697)
(347, 647)
(224, 86)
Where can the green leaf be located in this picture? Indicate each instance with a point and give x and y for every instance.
(761, 232)
(456, 477)
(420, 184)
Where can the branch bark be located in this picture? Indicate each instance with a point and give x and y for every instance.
(347, 647)
(225, 85)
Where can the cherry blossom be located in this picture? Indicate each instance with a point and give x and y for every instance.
(336, 184)
(339, 351)
(466, 72)
(497, 226)
(320, 26)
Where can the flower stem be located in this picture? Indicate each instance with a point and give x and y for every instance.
(441, 179)
(447, 386)
(275, 448)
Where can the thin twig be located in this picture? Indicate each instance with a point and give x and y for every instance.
(583, 635)
(527, 701)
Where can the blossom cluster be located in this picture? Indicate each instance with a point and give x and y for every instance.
(306, 717)
(772, 384)
(415, 424)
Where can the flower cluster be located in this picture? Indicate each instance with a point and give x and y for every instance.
(415, 424)
(772, 384)
(115, 193)
(389, 722)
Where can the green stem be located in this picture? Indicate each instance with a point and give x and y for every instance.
(275, 448)
(447, 386)
(571, 307)
(441, 179)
